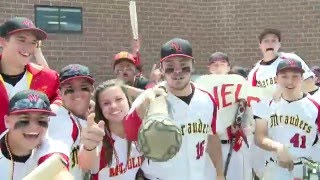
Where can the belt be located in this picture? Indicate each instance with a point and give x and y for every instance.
(295, 163)
(225, 141)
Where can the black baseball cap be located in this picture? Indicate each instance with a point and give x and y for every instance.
(30, 101)
(289, 64)
(276, 32)
(218, 56)
(176, 47)
(73, 71)
(240, 71)
(19, 24)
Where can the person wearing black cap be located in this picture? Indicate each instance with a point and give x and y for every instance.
(18, 39)
(190, 107)
(288, 127)
(219, 63)
(76, 88)
(27, 121)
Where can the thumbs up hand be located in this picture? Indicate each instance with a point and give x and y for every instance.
(93, 134)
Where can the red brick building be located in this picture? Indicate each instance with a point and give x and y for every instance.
(231, 26)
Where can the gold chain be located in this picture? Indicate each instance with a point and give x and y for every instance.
(10, 155)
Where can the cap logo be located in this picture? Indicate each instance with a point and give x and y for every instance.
(123, 55)
(33, 97)
(74, 68)
(28, 23)
(176, 47)
(292, 63)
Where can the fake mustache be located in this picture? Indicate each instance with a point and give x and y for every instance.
(269, 49)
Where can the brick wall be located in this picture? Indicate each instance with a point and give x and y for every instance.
(231, 26)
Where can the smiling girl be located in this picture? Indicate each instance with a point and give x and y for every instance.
(119, 158)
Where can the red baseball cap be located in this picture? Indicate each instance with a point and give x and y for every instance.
(124, 56)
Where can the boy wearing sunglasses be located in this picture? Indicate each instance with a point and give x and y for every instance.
(27, 122)
(65, 128)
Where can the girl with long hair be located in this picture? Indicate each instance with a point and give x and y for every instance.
(116, 158)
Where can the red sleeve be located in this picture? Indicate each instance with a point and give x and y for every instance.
(318, 116)
(55, 98)
(254, 78)
(64, 157)
(131, 125)
(214, 115)
(150, 85)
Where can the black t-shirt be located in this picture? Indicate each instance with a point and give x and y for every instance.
(314, 91)
(188, 98)
(269, 62)
(12, 79)
(141, 82)
(15, 158)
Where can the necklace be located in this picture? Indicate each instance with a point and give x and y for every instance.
(112, 141)
(10, 155)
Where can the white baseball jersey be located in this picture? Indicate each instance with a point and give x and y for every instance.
(20, 170)
(264, 74)
(294, 124)
(196, 119)
(22, 165)
(64, 130)
(316, 155)
(121, 167)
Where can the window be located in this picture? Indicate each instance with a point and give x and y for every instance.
(55, 19)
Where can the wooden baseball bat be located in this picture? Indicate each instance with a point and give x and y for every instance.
(48, 169)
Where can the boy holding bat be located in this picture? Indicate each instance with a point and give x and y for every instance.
(27, 121)
(190, 108)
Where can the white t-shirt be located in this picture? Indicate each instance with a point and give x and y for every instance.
(121, 168)
(64, 130)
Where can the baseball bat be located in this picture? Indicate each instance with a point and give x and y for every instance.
(237, 123)
(135, 33)
(48, 169)
(133, 19)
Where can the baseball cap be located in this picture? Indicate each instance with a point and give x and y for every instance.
(73, 71)
(124, 56)
(291, 64)
(270, 31)
(176, 47)
(218, 56)
(316, 71)
(19, 24)
(240, 71)
(30, 101)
